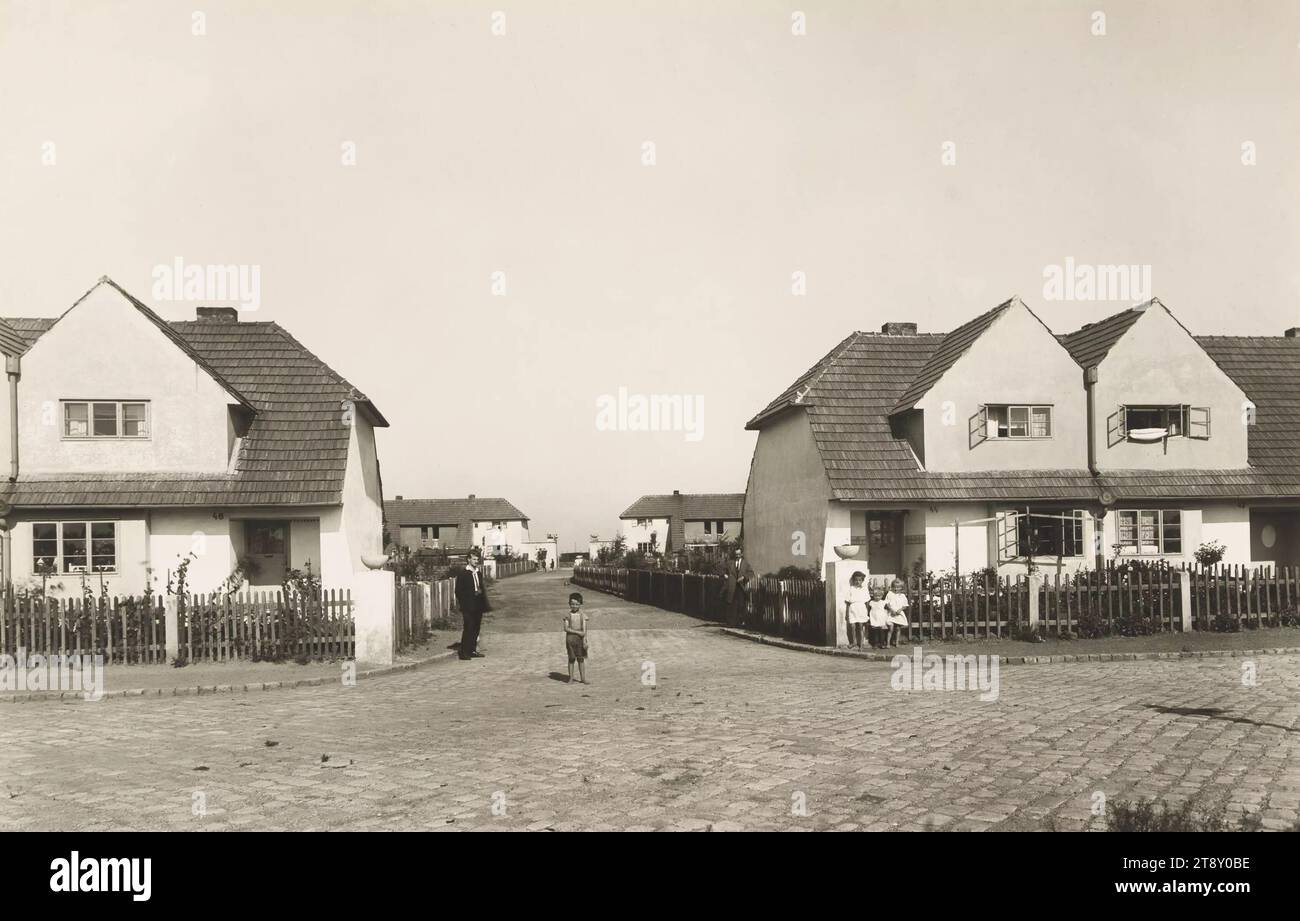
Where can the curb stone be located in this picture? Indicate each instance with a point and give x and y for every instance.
(207, 690)
(1020, 660)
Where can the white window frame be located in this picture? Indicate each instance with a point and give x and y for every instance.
(119, 420)
(1161, 538)
(1008, 531)
(59, 569)
(989, 427)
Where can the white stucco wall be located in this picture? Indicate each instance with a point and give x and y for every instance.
(105, 349)
(511, 534)
(1016, 361)
(693, 531)
(787, 497)
(1157, 363)
(362, 518)
(634, 534)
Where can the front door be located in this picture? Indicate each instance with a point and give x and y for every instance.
(267, 543)
(884, 543)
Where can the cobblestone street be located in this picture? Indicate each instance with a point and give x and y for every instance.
(734, 735)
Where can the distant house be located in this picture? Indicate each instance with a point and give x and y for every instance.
(1002, 443)
(141, 443)
(455, 525)
(673, 523)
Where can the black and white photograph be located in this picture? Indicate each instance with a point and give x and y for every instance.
(651, 415)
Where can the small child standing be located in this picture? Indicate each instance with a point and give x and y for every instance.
(575, 637)
(897, 602)
(878, 618)
(855, 608)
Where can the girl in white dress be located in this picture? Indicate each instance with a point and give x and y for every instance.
(878, 617)
(855, 608)
(897, 602)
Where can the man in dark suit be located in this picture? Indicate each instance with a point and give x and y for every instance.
(740, 578)
(471, 598)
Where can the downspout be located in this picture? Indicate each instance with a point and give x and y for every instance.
(13, 368)
(1098, 525)
(1089, 385)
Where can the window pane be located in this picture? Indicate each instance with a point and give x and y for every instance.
(76, 420)
(1128, 529)
(45, 545)
(1148, 537)
(74, 546)
(105, 419)
(1018, 421)
(1040, 422)
(135, 420)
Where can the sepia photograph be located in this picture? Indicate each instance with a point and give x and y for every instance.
(649, 415)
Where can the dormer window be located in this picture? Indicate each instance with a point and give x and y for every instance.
(105, 419)
(1004, 420)
(1155, 423)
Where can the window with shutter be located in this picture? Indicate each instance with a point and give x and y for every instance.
(1198, 422)
(1117, 427)
(978, 426)
(1008, 535)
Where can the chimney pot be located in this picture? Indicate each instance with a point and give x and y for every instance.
(1293, 332)
(899, 329)
(471, 495)
(399, 497)
(217, 314)
(677, 492)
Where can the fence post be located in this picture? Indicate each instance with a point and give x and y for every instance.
(1035, 581)
(837, 583)
(373, 599)
(171, 630)
(1185, 598)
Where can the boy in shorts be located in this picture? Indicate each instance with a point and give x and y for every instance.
(575, 637)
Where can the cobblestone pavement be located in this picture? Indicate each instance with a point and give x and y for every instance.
(733, 735)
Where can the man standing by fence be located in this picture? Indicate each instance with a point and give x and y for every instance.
(740, 577)
(471, 597)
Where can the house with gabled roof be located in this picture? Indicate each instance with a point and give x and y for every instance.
(138, 443)
(1003, 444)
(492, 524)
(674, 523)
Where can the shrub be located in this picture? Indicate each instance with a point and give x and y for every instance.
(1225, 623)
(1090, 624)
(1210, 553)
(1143, 816)
(794, 572)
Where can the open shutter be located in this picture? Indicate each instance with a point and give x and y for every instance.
(1074, 534)
(978, 426)
(1008, 542)
(1116, 427)
(1198, 422)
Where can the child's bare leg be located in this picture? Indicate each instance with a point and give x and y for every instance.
(570, 671)
(582, 670)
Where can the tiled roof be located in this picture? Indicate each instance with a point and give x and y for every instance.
(459, 512)
(1092, 343)
(680, 508)
(294, 452)
(850, 394)
(12, 342)
(953, 346)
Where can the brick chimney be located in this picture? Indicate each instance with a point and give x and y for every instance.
(1293, 332)
(899, 329)
(399, 498)
(217, 314)
(471, 495)
(677, 492)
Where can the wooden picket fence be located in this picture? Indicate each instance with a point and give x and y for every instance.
(1228, 597)
(517, 568)
(794, 609)
(414, 619)
(122, 630)
(267, 625)
(1125, 599)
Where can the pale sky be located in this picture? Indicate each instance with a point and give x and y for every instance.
(523, 153)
